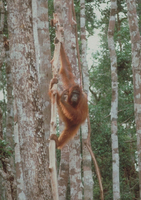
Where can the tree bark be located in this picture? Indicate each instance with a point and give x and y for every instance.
(114, 102)
(63, 173)
(64, 162)
(136, 67)
(87, 172)
(29, 131)
(74, 148)
(45, 70)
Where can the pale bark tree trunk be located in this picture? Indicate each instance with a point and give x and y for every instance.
(75, 169)
(32, 173)
(136, 66)
(114, 103)
(45, 70)
(64, 162)
(43, 58)
(63, 173)
(87, 172)
(71, 152)
(74, 156)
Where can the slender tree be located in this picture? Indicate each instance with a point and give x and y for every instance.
(114, 102)
(63, 175)
(87, 172)
(136, 66)
(70, 154)
(74, 156)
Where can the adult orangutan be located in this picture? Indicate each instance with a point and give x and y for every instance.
(72, 102)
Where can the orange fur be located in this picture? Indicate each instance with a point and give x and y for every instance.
(65, 70)
(73, 114)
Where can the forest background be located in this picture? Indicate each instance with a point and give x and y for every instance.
(27, 46)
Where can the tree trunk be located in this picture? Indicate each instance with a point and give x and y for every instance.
(87, 172)
(45, 70)
(43, 58)
(136, 66)
(63, 173)
(32, 174)
(64, 162)
(114, 102)
(74, 148)
(71, 152)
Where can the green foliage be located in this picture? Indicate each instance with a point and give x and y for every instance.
(5, 150)
(90, 16)
(100, 106)
(90, 19)
(100, 81)
(100, 99)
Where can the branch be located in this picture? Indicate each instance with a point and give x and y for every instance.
(95, 94)
(52, 145)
